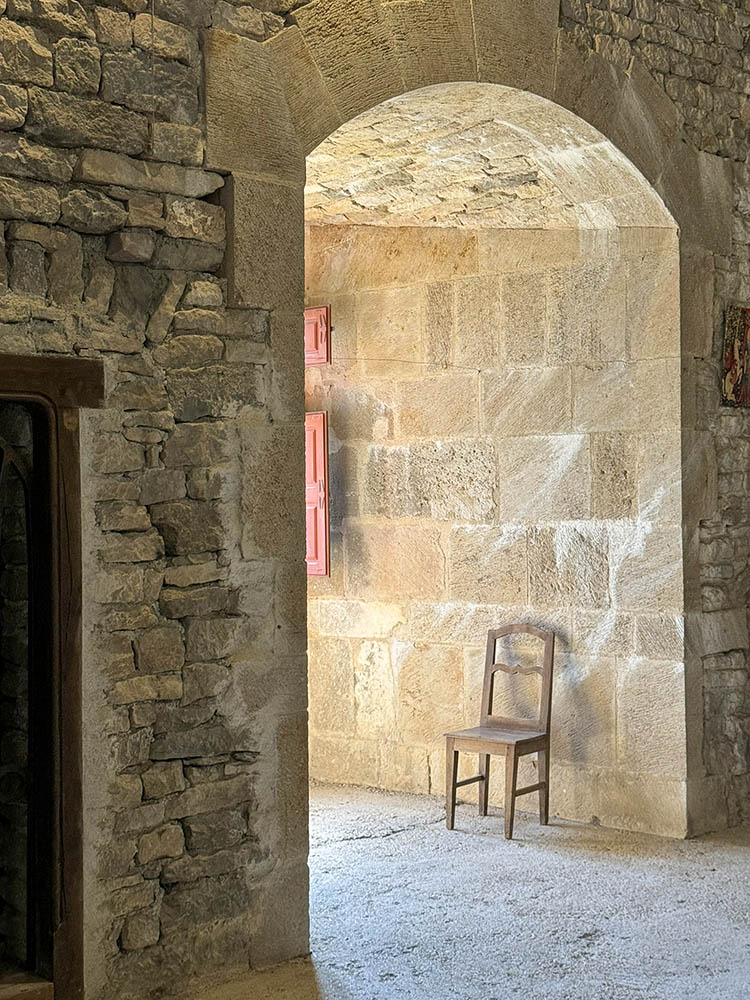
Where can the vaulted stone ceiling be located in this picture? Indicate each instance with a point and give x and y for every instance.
(476, 155)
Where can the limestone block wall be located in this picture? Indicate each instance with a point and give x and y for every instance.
(112, 243)
(504, 445)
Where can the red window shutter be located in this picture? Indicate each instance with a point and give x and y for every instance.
(316, 494)
(318, 336)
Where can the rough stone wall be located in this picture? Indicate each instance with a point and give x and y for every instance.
(504, 438)
(113, 241)
(699, 53)
(15, 428)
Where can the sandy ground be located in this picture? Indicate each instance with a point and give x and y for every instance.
(402, 908)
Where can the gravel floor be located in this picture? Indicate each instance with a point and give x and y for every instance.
(402, 908)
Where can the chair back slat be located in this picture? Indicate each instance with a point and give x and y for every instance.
(492, 667)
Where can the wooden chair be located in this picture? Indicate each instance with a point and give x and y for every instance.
(497, 735)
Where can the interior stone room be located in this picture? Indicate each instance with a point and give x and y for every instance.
(529, 226)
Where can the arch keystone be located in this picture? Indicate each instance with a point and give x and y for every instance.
(516, 42)
(434, 40)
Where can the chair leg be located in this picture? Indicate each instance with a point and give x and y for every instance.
(511, 776)
(451, 774)
(484, 784)
(543, 772)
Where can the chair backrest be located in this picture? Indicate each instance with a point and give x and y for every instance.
(492, 667)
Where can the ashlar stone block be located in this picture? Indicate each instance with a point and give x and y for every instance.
(430, 691)
(331, 672)
(393, 561)
(516, 45)
(389, 325)
(434, 41)
(544, 478)
(569, 566)
(521, 401)
(651, 717)
(646, 564)
(488, 564)
(375, 691)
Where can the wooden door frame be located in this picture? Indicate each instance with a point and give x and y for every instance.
(62, 386)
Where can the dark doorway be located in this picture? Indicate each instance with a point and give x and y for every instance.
(41, 814)
(27, 763)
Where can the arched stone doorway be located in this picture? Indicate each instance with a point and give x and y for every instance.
(503, 406)
(267, 107)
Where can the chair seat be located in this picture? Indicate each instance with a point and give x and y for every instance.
(508, 737)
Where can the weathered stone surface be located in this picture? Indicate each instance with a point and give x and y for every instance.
(569, 565)
(239, 20)
(113, 28)
(165, 39)
(101, 167)
(148, 687)
(91, 211)
(203, 295)
(132, 546)
(211, 797)
(488, 564)
(166, 842)
(77, 66)
(119, 515)
(14, 104)
(159, 86)
(544, 478)
(196, 220)
(23, 57)
(213, 831)
(197, 444)
(177, 143)
(347, 40)
(27, 273)
(145, 210)
(158, 485)
(20, 199)
(188, 869)
(20, 158)
(131, 246)
(212, 638)
(520, 401)
(187, 255)
(205, 741)
(216, 390)
(176, 602)
(204, 680)
(189, 526)
(74, 121)
(140, 394)
(160, 649)
(57, 16)
(119, 585)
(398, 561)
(140, 930)
(189, 351)
(162, 317)
(163, 779)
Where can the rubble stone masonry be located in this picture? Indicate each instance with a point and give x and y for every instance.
(114, 246)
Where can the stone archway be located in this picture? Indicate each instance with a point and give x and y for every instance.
(268, 106)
